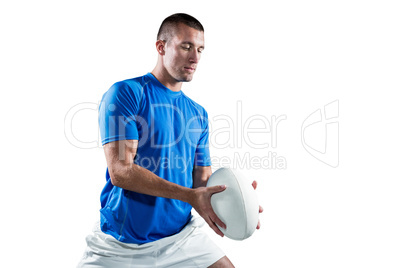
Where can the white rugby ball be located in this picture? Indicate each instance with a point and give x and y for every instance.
(237, 206)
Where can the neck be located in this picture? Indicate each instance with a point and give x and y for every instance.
(168, 81)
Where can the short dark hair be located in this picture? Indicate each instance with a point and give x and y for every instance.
(171, 22)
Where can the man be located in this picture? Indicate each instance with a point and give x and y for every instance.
(156, 145)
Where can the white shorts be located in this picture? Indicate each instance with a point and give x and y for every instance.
(189, 248)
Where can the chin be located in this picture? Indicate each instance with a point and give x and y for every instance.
(185, 78)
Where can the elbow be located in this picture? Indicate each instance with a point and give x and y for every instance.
(115, 177)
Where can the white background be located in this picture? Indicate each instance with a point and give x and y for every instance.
(276, 57)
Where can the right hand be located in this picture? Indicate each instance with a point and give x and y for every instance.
(201, 202)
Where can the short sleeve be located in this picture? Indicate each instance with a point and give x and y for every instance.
(117, 113)
(202, 156)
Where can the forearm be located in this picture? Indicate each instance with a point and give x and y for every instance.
(201, 175)
(138, 179)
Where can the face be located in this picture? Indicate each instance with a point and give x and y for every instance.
(183, 52)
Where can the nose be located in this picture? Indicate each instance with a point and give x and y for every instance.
(195, 56)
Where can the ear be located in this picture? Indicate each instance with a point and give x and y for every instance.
(160, 47)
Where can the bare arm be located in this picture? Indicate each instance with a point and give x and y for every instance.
(127, 175)
(201, 176)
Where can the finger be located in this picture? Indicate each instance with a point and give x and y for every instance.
(215, 219)
(217, 189)
(215, 228)
(254, 184)
(258, 225)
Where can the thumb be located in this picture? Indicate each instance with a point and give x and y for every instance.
(217, 189)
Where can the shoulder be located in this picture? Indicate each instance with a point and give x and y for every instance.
(127, 90)
(133, 85)
(196, 106)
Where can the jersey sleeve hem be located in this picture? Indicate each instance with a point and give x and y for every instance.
(118, 138)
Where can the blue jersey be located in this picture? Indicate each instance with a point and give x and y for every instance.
(172, 134)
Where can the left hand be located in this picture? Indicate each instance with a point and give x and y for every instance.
(261, 209)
